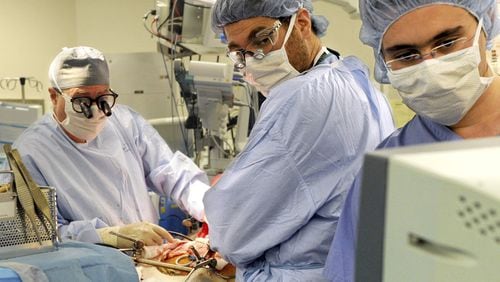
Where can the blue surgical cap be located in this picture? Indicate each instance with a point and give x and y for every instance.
(78, 66)
(229, 11)
(378, 15)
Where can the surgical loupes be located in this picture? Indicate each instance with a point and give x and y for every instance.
(86, 110)
(105, 108)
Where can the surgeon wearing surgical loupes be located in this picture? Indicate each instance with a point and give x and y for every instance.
(434, 53)
(272, 211)
(103, 158)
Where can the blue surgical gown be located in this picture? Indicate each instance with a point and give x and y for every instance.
(76, 262)
(105, 182)
(273, 211)
(340, 263)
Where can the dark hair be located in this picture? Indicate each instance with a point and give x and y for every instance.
(286, 21)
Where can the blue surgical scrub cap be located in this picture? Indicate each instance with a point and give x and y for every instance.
(78, 66)
(230, 11)
(378, 15)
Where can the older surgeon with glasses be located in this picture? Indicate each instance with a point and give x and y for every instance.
(103, 158)
(273, 211)
(434, 53)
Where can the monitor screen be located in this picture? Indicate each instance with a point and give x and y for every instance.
(14, 119)
(431, 213)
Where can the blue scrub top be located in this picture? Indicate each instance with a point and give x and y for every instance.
(340, 265)
(273, 211)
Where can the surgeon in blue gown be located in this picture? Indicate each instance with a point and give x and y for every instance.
(273, 211)
(441, 73)
(103, 159)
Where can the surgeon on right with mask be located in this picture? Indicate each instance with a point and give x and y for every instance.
(440, 71)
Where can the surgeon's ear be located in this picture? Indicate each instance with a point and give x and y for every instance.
(304, 24)
(53, 96)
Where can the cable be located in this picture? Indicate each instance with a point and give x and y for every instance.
(166, 21)
(147, 29)
(172, 93)
(154, 30)
(249, 96)
(180, 235)
(231, 151)
(232, 133)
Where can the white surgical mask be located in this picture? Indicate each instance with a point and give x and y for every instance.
(273, 68)
(443, 89)
(80, 126)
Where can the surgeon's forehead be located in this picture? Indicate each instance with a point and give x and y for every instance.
(241, 32)
(422, 24)
(92, 90)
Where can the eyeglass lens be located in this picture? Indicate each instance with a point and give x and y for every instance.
(412, 59)
(104, 102)
(260, 40)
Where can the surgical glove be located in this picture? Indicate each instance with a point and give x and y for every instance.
(193, 200)
(150, 234)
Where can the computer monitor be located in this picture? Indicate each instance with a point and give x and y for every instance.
(14, 119)
(431, 213)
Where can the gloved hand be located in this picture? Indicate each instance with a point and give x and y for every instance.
(193, 200)
(150, 234)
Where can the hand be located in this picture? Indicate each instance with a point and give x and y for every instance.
(150, 234)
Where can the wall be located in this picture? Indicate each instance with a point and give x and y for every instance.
(343, 33)
(114, 26)
(32, 32)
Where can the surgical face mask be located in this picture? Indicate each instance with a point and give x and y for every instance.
(443, 89)
(80, 126)
(273, 68)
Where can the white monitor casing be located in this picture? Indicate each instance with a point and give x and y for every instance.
(431, 213)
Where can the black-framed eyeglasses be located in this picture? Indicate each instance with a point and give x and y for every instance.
(104, 102)
(261, 39)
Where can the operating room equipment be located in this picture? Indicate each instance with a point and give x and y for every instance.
(183, 30)
(183, 27)
(30, 228)
(14, 119)
(171, 215)
(430, 213)
(10, 83)
(143, 81)
(208, 91)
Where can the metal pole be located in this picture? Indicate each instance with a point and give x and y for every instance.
(163, 264)
(22, 81)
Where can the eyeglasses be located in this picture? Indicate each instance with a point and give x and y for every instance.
(261, 40)
(410, 58)
(104, 102)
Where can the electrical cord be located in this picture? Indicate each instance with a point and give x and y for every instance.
(173, 106)
(231, 151)
(167, 21)
(179, 235)
(170, 79)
